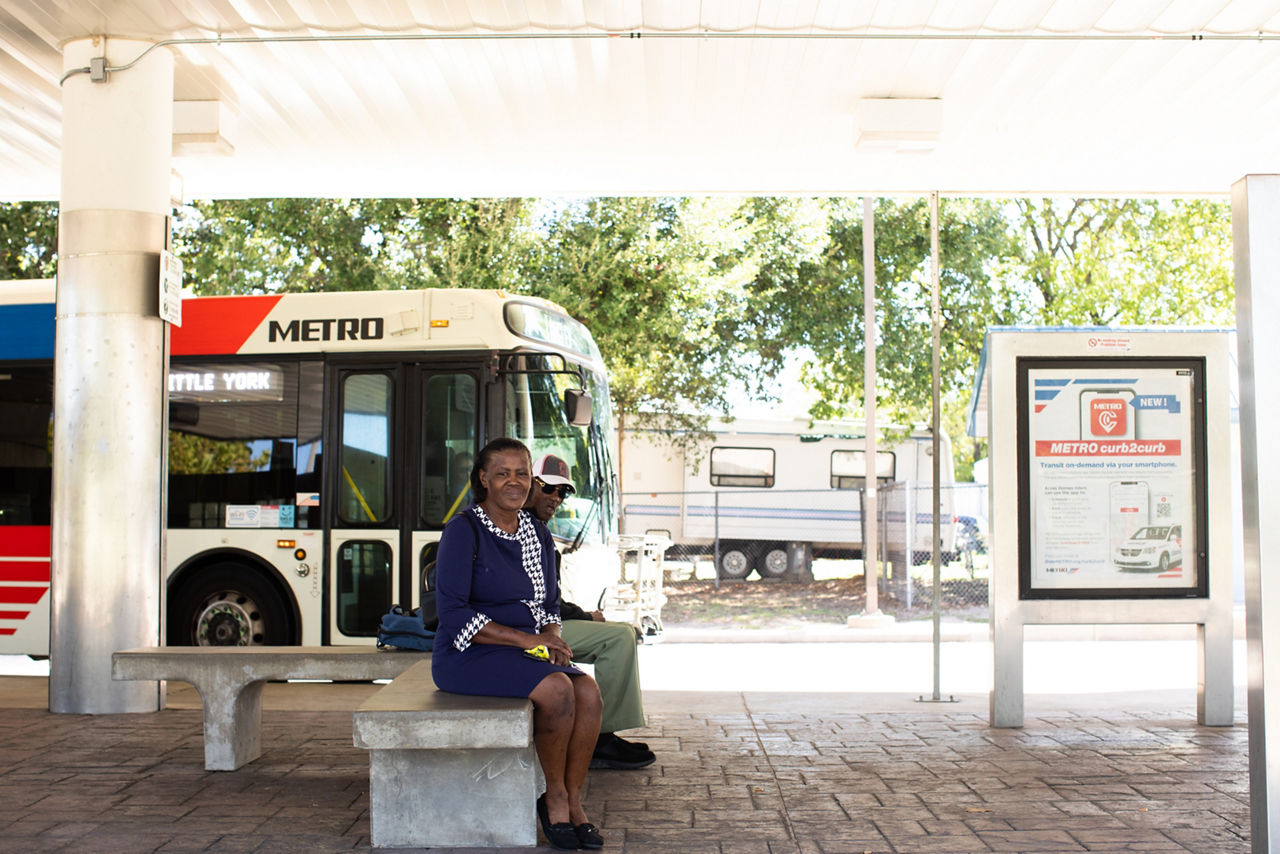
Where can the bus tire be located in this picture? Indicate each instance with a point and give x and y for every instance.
(773, 561)
(227, 604)
(735, 563)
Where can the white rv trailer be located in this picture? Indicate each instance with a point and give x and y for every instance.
(778, 493)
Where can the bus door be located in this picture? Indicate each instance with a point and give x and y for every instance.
(446, 429)
(403, 434)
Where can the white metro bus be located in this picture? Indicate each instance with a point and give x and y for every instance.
(318, 443)
(776, 493)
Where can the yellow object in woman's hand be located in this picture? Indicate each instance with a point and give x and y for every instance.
(539, 652)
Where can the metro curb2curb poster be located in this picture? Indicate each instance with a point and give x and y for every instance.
(1110, 475)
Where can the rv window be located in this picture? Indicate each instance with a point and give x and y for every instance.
(849, 468)
(742, 467)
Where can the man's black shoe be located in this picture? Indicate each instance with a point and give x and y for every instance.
(618, 744)
(613, 753)
(634, 746)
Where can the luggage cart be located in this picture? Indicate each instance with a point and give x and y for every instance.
(637, 597)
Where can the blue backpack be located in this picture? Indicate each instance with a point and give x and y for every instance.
(401, 629)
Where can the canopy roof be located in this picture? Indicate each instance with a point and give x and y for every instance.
(558, 97)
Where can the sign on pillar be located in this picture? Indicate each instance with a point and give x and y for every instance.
(170, 288)
(1110, 492)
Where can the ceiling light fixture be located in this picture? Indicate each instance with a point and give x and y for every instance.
(899, 125)
(203, 128)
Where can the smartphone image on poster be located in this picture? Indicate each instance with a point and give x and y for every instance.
(1130, 501)
(1107, 413)
(1162, 508)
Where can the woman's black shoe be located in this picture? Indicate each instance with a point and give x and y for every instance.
(562, 834)
(589, 836)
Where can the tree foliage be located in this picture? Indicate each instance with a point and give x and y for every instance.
(312, 245)
(668, 287)
(699, 302)
(1124, 261)
(28, 240)
(823, 302)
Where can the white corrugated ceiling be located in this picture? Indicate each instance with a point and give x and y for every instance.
(1038, 96)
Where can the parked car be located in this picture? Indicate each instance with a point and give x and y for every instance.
(1152, 547)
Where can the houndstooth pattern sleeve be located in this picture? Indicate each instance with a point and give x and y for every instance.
(463, 640)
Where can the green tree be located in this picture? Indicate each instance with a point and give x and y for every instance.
(822, 303)
(1123, 261)
(312, 245)
(667, 288)
(28, 240)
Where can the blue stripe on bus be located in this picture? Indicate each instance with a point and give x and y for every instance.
(26, 331)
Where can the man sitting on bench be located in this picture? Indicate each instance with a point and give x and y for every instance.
(609, 647)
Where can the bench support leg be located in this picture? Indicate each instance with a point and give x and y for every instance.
(232, 723)
(453, 798)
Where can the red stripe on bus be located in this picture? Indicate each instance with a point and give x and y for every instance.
(8, 631)
(217, 325)
(24, 570)
(21, 595)
(13, 615)
(24, 541)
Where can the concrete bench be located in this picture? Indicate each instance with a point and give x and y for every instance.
(230, 681)
(448, 770)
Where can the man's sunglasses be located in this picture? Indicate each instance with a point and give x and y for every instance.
(563, 489)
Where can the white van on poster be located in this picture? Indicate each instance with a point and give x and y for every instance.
(1112, 500)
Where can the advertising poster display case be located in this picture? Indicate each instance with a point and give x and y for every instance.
(1112, 486)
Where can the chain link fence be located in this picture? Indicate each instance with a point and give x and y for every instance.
(754, 536)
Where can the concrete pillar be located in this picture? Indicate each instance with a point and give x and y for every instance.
(109, 397)
(1255, 222)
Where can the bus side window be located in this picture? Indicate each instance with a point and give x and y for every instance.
(26, 424)
(307, 458)
(233, 434)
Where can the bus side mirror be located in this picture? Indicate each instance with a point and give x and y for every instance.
(577, 406)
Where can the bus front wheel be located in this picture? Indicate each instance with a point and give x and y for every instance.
(227, 605)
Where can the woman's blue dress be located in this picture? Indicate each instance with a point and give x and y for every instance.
(511, 581)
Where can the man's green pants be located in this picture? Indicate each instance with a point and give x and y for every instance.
(611, 649)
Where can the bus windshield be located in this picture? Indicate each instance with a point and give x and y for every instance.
(535, 415)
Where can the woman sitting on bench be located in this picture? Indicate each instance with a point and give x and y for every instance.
(499, 633)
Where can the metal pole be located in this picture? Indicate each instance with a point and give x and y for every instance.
(909, 541)
(870, 557)
(717, 536)
(936, 429)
